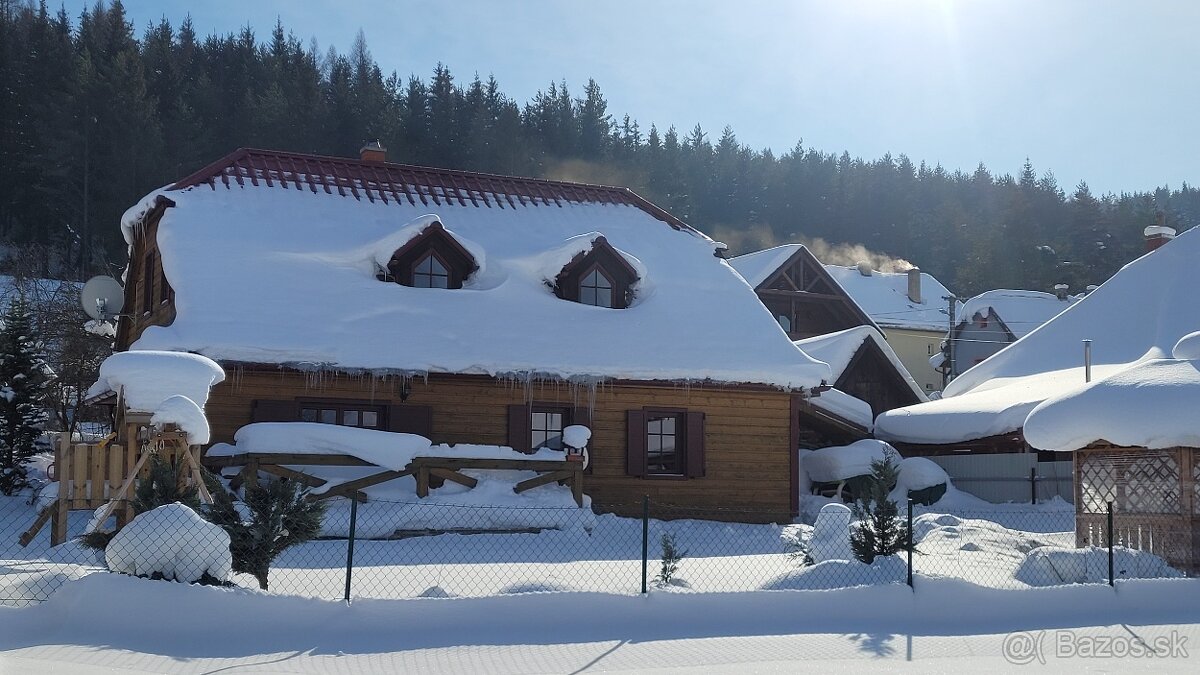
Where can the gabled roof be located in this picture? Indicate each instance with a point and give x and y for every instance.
(284, 272)
(1137, 315)
(792, 268)
(1019, 311)
(388, 183)
(884, 297)
(838, 350)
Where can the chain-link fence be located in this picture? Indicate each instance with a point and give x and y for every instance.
(426, 548)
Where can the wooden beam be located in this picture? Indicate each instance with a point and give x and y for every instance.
(43, 517)
(360, 483)
(502, 464)
(543, 479)
(454, 476)
(292, 474)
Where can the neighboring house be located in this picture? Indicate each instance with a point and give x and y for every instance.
(864, 366)
(911, 310)
(1135, 317)
(804, 299)
(993, 320)
(475, 308)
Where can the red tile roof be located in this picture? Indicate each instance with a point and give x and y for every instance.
(388, 183)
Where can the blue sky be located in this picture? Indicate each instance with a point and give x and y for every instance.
(1094, 90)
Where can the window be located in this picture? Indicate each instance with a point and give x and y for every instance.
(785, 322)
(596, 289)
(347, 415)
(546, 426)
(600, 277)
(429, 272)
(665, 443)
(432, 259)
(663, 451)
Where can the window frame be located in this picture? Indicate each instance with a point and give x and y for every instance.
(599, 271)
(341, 407)
(548, 409)
(680, 436)
(432, 256)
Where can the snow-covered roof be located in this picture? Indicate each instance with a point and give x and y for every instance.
(884, 297)
(1021, 311)
(287, 275)
(837, 349)
(845, 406)
(1138, 315)
(757, 266)
(1150, 405)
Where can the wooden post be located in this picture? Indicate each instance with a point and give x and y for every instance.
(422, 481)
(58, 526)
(577, 487)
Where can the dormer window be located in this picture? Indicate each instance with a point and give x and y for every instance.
(430, 272)
(600, 277)
(596, 289)
(432, 259)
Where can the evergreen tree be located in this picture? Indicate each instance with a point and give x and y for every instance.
(23, 382)
(880, 530)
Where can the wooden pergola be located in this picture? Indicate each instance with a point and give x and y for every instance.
(1155, 496)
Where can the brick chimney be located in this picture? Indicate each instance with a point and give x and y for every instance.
(1158, 233)
(373, 152)
(914, 284)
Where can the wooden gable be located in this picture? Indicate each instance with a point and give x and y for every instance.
(872, 377)
(804, 293)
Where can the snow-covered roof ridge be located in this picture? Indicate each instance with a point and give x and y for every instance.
(755, 267)
(1150, 405)
(837, 349)
(285, 277)
(1020, 310)
(884, 297)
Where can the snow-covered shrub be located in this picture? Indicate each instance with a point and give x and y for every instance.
(828, 539)
(171, 542)
(881, 531)
(276, 516)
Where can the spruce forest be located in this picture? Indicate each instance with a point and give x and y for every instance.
(96, 112)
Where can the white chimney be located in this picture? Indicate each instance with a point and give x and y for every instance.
(1061, 291)
(914, 284)
(864, 268)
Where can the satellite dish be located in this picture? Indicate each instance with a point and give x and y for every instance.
(102, 298)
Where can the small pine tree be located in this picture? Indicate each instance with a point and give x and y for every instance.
(279, 515)
(881, 531)
(23, 382)
(671, 557)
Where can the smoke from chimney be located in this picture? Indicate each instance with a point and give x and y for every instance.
(850, 255)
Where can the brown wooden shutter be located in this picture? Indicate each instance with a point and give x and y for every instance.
(410, 419)
(694, 438)
(518, 427)
(635, 443)
(275, 411)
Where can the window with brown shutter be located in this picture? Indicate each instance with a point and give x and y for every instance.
(665, 443)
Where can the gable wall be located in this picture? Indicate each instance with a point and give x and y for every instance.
(162, 308)
(747, 435)
(974, 342)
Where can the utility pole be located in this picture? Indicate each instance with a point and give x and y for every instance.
(948, 373)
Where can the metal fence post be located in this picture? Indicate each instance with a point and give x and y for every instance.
(1033, 485)
(1111, 579)
(645, 540)
(350, 542)
(910, 543)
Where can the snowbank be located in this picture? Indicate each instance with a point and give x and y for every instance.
(147, 378)
(838, 574)
(1151, 405)
(841, 462)
(1050, 566)
(387, 449)
(171, 540)
(184, 413)
(1188, 347)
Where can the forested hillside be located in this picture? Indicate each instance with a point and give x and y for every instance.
(96, 113)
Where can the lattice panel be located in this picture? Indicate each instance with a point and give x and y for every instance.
(1097, 482)
(1151, 483)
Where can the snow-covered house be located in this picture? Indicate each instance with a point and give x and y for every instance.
(1136, 442)
(911, 310)
(473, 308)
(1135, 317)
(864, 366)
(994, 319)
(801, 295)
